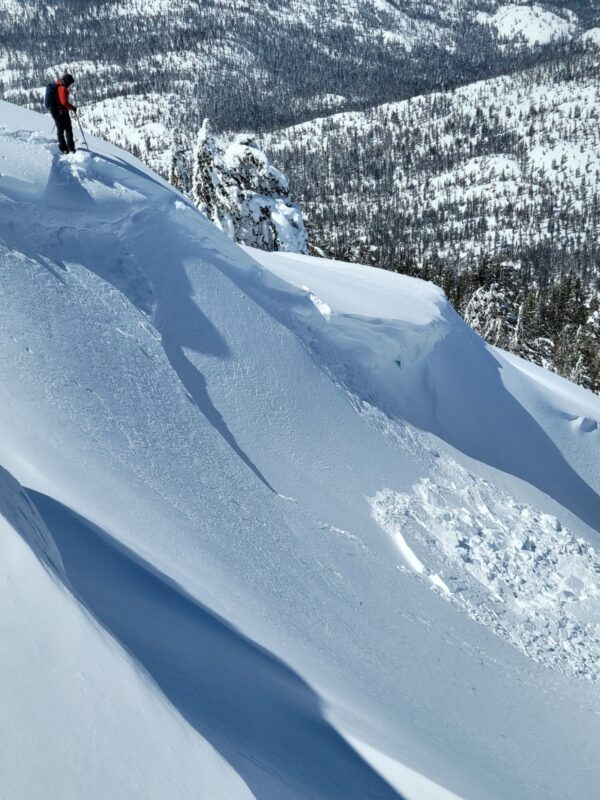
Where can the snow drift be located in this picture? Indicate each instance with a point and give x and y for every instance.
(250, 489)
(74, 704)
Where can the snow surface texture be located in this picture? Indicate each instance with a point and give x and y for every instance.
(203, 440)
(511, 567)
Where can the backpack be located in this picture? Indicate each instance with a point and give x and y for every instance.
(50, 99)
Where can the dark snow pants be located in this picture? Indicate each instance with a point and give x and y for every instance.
(63, 127)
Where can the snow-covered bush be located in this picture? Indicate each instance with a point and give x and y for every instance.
(492, 313)
(235, 185)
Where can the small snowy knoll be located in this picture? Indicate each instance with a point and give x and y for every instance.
(533, 24)
(205, 433)
(592, 37)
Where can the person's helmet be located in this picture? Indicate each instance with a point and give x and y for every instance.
(68, 79)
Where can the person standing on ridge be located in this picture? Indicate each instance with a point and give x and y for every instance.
(60, 107)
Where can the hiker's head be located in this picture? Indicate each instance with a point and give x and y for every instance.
(68, 79)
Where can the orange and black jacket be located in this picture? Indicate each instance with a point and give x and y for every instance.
(62, 96)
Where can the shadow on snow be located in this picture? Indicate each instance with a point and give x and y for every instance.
(259, 714)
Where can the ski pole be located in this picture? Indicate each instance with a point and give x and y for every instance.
(81, 129)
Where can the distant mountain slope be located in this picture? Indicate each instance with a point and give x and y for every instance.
(502, 167)
(254, 65)
(290, 510)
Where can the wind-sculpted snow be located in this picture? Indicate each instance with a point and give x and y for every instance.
(419, 363)
(200, 429)
(80, 718)
(18, 513)
(509, 566)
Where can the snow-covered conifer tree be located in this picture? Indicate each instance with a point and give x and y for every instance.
(492, 312)
(178, 169)
(203, 188)
(238, 188)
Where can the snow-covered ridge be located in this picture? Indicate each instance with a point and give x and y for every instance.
(531, 24)
(201, 431)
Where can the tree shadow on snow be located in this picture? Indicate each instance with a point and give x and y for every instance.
(260, 715)
(176, 313)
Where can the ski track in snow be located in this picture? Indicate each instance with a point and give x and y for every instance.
(510, 567)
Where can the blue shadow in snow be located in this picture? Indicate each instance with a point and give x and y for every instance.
(177, 315)
(145, 177)
(259, 714)
(64, 189)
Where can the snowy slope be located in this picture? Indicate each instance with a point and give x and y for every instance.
(74, 704)
(262, 480)
(591, 37)
(531, 24)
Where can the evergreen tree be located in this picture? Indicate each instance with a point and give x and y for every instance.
(178, 170)
(203, 188)
(236, 186)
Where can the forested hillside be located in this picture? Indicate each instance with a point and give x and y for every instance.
(493, 188)
(508, 166)
(258, 66)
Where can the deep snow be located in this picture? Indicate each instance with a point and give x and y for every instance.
(216, 445)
